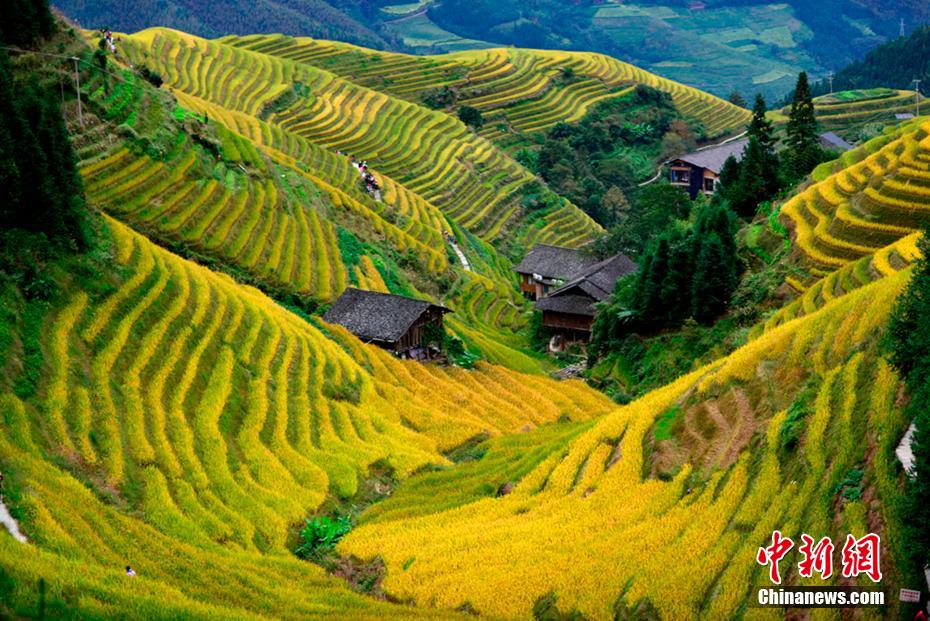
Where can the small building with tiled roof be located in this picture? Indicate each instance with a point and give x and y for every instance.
(546, 267)
(392, 322)
(831, 141)
(699, 171)
(570, 310)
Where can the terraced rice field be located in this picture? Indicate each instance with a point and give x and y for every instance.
(688, 548)
(190, 414)
(865, 206)
(835, 114)
(429, 153)
(269, 204)
(518, 91)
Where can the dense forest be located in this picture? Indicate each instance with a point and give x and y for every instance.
(40, 188)
(894, 65)
(353, 21)
(618, 143)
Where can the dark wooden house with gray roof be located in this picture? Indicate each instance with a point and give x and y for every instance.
(569, 310)
(393, 322)
(699, 171)
(545, 268)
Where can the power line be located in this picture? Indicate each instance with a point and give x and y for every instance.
(70, 58)
(917, 94)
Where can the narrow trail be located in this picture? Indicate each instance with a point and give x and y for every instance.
(462, 259)
(7, 520)
(905, 454)
(704, 148)
(905, 451)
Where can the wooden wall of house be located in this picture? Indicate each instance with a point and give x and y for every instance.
(414, 336)
(528, 285)
(567, 321)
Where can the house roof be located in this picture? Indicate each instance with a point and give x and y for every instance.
(599, 280)
(375, 316)
(594, 284)
(554, 262)
(714, 158)
(831, 140)
(569, 304)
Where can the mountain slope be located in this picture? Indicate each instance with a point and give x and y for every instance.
(314, 18)
(877, 196)
(892, 65)
(525, 91)
(686, 544)
(181, 411)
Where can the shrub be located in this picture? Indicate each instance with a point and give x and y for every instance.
(441, 97)
(320, 536)
(471, 117)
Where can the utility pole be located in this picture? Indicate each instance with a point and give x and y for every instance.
(917, 94)
(902, 28)
(830, 79)
(77, 86)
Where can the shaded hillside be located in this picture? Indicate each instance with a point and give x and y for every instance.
(719, 46)
(314, 18)
(895, 64)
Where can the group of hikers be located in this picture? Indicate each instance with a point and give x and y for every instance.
(371, 184)
(108, 37)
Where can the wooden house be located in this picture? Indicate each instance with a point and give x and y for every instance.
(699, 171)
(569, 310)
(545, 268)
(392, 322)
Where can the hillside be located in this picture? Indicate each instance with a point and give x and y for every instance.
(874, 198)
(858, 115)
(274, 140)
(172, 399)
(717, 45)
(245, 420)
(314, 18)
(896, 64)
(520, 92)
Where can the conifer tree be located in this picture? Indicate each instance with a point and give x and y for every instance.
(42, 189)
(909, 340)
(803, 141)
(713, 279)
(758, 175)
(22, 22)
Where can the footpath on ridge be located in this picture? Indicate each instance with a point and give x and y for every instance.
(7, 520)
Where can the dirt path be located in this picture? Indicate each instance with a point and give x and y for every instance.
(461, 255)
(7, 520)
(904, 451)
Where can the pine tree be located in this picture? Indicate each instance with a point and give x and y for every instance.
(44, 193)
(22, 22)
(756, 178)
(803, 141)
(909, 341)
(715, 261)
(760, 127)
(736, 98)
(713, 279)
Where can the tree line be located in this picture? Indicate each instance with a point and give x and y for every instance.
(40, 187)
(691, 269)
